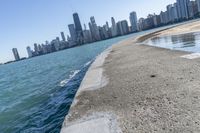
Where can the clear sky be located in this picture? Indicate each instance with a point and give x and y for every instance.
(25, 22)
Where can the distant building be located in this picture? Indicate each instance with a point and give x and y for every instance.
(63, 36)
(72, 32)
(16, 54)
(55, 43)
(105, 31)
(141, 24)
(58, 39)
(182, 8)
(29, 51)
(78, 28)
(113, 28)
(164, 17)
(94, 29)
(120, 28)
(175, 12)
(77, 23)
(172, 14)
(36, 49)
(198, 5)
(125, 27)
(133, 20)
(192, 8)
(87, 36)
(156, 20)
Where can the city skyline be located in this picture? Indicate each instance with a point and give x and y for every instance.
(20, 41)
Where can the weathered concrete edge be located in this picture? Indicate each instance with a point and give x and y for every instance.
(95, 71)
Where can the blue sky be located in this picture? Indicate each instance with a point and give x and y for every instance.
(24, 22)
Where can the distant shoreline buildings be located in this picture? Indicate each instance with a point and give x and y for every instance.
(181, 10)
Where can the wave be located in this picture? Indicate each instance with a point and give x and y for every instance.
(87, 64)
(74, 73)
(65, 81)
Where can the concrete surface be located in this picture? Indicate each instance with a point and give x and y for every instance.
(96, 123)
(191, 56)
(149, 90)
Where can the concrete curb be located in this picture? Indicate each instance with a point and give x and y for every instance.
(98, 122)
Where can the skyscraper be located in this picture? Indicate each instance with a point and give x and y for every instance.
(77, 23)
(164, 17)
(192, 9)
(78, 28)
(63, 36)
(198, 4)
(16, 54)
(182, 7)
(94, 29)
(175, 11)
(170, 13)
(125, 27)
(29, 51)
(36, 49)
(119, 28)
(113, 28)
(133, 20)
(72, 32)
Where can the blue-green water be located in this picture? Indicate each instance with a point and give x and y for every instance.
(35, 94)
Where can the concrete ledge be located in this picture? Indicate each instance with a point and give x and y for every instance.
(103, 123)
(96, 123)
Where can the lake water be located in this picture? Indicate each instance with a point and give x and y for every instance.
(36, 94)
(189, 42)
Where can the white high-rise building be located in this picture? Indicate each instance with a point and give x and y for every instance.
(133, 20)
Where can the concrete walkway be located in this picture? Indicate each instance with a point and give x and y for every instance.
(149, 89)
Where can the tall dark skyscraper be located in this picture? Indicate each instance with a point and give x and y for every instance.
(78, 28)
(16, 54)
(63, 36)
(77, 23)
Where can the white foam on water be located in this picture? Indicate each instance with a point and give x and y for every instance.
(87, 64)
(65, 81)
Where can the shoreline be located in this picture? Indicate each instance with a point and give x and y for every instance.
(96, 70)
(106, 106)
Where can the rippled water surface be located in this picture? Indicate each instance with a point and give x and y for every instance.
(186, 42)
(35, 94)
